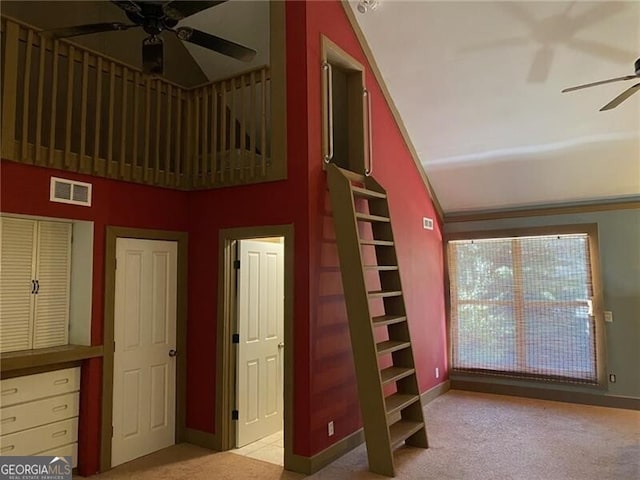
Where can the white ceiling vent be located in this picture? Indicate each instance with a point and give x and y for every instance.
(70, 191)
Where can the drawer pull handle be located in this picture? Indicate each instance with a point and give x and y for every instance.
(8, 420)
(61, 381)
(9, 391)
(60, 408)
(8, 448)
(61, 433)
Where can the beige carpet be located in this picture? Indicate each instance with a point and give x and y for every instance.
(472, 436)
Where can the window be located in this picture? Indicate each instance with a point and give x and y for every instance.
(525, 306)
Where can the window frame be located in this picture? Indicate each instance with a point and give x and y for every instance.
(591, 230)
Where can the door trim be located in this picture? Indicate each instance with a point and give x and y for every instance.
(112, 234)
(225, 358)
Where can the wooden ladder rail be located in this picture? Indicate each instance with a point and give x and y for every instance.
(388, 421)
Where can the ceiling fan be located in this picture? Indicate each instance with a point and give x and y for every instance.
(620, 98)
(156, 17)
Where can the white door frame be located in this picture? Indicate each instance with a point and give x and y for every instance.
(227, 321)
(112, 234)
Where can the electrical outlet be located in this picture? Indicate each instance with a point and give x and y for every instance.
(437, 372)
(427, 223)
(330, 430)
(612, 378)
(608, 316)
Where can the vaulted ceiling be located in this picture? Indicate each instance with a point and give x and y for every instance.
(478, 86)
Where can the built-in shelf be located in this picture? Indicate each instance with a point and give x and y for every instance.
(44, 357)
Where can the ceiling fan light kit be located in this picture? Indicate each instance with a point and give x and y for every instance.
(620, 98)
(156, 17)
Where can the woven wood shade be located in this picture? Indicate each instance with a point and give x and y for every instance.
(522, 307)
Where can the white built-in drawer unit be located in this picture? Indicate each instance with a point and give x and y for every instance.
(39, 414)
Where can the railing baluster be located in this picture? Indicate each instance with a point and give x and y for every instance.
(253, 131)
(196, 139)
(243, 128)
(156, 176)
(112, 101)
(25, 97)
(189, 98)
(123, 121)
(204, 160)
(97, 131)
(232, 130)
(41, 64)
(134, 128)
(71, 60)
(178, 175)
(83, 111)
(147, 127)
(214, 133)
(167, 153)
(263, 122)
(224, 159)
(54, 102)
(9, 89)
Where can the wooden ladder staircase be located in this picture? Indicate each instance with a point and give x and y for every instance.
(388, 421)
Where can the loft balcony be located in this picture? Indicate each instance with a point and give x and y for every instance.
(68, 107)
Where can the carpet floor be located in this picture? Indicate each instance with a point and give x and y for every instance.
(472, 436)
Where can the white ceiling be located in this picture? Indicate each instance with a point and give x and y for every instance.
(478, 88)
(244, 22)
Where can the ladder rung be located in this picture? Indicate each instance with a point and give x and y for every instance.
(389, 346)
(365, 217)
(363, 192)
(353, 176)
(399, 401)
(402, 430)
(393, 374)
(377, 243)
(384, 320)
(381, 268)
(382, 294)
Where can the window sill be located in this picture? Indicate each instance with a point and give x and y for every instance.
(11, 362)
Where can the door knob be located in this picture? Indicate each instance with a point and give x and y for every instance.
(172, 353)
(280, 345)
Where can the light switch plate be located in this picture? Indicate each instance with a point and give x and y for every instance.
(608, 316)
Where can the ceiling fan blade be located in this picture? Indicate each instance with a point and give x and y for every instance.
(220, 45)
(621, 98)
(75, 31)
(153, 56)
(127, 5)
(179, 9)
(602, 82)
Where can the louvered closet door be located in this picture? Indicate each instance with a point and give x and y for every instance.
(17, 270)
(53, 273)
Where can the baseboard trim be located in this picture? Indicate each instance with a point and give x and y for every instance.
(434, 392)
(200, 438)
(585, 398)
(310, 465)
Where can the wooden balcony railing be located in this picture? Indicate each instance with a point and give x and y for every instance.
(67, 107)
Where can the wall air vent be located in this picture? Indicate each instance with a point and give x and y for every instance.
(69, 191)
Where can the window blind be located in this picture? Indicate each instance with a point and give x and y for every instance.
(523, 307)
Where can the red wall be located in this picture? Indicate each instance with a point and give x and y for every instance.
(333, 394)
(324, 383)
(25, 190)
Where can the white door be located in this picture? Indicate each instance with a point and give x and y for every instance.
(144, 370)
(260, 351)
